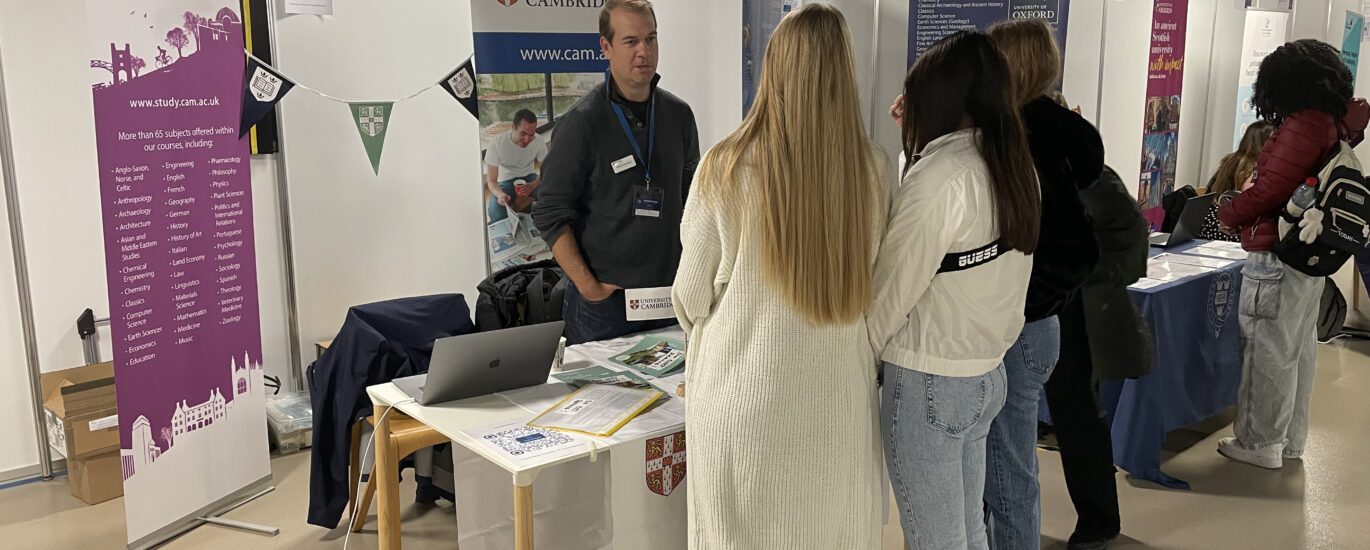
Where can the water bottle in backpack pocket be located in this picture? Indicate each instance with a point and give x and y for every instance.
(1318, 236)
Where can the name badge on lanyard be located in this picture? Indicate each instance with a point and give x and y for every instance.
(647, 200)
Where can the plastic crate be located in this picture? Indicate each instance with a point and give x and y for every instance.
(290, 418)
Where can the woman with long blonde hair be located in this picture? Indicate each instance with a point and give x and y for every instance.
(779, 238)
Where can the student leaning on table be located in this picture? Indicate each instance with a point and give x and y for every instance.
(1305, 90)
(773, 287)
(950, 285)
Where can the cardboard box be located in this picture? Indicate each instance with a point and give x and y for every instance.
(96, 478)
(83, 423)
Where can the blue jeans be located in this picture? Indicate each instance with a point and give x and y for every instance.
(1012, 494)
(494, 209)
(934, 429)
(588, 321)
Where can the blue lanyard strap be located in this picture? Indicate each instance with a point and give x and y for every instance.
(628, 131)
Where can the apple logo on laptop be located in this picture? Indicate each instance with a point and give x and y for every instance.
(494, 364)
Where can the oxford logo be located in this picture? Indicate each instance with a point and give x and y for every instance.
(371, 120)
(1220, 302)
(462, 84)
(265, 86)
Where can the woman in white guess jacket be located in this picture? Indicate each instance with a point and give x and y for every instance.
(950, 285)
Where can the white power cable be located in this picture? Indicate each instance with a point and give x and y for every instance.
(370, 448)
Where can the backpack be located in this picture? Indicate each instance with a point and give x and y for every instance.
(1331, 312)
(520, 296)
(1343, 204)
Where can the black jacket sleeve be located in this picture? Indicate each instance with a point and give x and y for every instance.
(1068, 154)
(565, 175)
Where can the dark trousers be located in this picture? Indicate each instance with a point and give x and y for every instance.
(588, 321)
(1082, 434)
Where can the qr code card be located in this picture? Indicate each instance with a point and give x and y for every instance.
(526, 440)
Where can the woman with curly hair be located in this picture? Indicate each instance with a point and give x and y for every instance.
(1305, 91)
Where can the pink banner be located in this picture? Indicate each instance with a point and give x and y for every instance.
(1165, 79)
(167, 81)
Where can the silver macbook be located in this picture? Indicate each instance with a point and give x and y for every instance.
(482, 363)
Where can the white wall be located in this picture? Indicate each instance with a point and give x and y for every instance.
(16, 410)
(417, 227)
(46, 61)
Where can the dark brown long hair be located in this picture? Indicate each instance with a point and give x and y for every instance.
(1236, 167)
(964, 77)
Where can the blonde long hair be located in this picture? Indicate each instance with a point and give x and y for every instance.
(1034, 59)
(813, 168)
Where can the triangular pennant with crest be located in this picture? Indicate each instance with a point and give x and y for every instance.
(373, 120)
(263, 88)
(461, 83)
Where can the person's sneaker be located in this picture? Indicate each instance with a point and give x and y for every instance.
(1292, 454)
(1229, 448)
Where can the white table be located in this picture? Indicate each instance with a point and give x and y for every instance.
(455, 419)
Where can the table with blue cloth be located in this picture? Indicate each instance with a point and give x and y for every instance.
(1198, 366)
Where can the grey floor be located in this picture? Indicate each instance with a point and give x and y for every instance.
(1320, 503)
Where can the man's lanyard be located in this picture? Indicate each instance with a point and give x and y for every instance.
(628, 131)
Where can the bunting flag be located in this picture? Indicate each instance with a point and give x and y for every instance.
(461, 83)
(373, 119)
(262, 89)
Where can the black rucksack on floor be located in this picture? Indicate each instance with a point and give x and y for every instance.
(1331, 312)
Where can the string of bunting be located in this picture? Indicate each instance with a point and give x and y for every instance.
(264, 86)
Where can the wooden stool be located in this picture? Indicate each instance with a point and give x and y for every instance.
(398, 437)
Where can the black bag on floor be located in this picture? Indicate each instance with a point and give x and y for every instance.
(1331, 312)
(525, 295)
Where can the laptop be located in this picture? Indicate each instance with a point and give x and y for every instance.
(483, 363)
(1191, 221)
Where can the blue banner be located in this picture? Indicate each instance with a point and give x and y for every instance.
(538, 53)
(1350, 43)
(932, 20)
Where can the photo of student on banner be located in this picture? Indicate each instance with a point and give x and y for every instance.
(518, 115)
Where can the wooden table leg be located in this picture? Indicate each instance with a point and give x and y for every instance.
(354, 468)
(523, 517)
(387, 485)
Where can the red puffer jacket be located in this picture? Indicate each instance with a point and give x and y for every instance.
(1297, 148)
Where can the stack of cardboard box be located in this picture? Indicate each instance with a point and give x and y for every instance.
(83, 423)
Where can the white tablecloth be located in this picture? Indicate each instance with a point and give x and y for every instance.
(599, 504)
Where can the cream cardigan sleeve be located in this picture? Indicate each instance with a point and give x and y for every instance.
(696, 280)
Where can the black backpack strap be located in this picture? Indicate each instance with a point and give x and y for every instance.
(558, 299)
(961, 261)
(536, 302)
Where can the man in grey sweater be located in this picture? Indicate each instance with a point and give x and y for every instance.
(614, 186)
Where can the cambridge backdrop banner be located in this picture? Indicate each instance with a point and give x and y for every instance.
(175, 188)
(535, 55)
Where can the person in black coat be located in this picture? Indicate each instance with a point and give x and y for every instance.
(1069, 156)
(1103, 337)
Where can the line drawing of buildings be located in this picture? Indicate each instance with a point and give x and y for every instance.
(188, 418)
(246, 381)
(145, 450)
